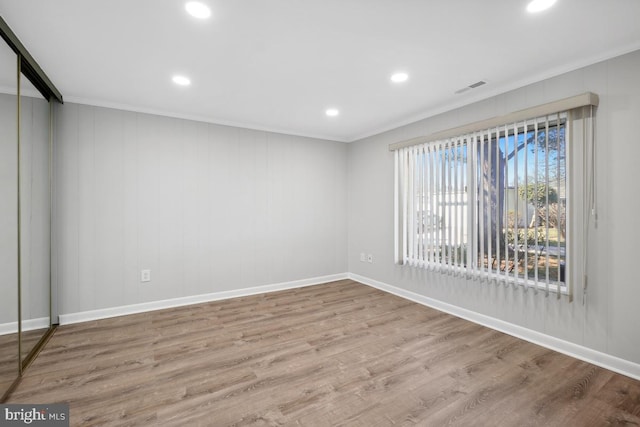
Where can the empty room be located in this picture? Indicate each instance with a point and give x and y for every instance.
(319, 213)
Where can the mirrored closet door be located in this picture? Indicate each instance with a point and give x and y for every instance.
(26, 152)
(35, 214)
(9, 362)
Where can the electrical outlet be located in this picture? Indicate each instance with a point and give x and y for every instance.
(370, 258)
(145, 275)
(363, 257)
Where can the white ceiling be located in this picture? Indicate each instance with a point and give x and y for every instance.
(279, 64)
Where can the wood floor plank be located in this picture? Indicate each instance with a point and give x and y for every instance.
(337, 354)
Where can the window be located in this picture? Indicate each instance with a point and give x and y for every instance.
(490, 204)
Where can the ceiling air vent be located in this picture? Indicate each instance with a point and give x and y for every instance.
(477, 84)
(471, 86)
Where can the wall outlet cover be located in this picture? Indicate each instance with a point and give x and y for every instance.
(145, 275)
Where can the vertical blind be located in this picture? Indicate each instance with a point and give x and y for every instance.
(491, 203)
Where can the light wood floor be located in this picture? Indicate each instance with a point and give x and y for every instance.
(8, 361)
(339, 354)
(9, 355)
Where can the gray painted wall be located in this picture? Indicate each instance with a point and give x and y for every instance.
(206, 208)
(608, 321)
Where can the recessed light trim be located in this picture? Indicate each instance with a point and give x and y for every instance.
(536, 6)
(332, 112)
(197, 9)
(181, 80)
(399, 77)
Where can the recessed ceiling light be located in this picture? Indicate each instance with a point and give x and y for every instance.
(181, 80)
(197, 9)
(332, 112)
(539, 5)
(399, 77)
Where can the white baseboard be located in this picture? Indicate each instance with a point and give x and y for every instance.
(586, 354)
(27, 325)
(8, 328)
(104, 313)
